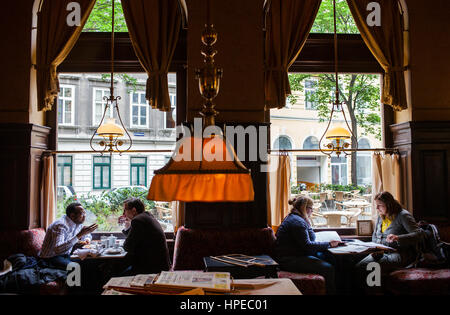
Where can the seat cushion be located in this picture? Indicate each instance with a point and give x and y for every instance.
(191, 245)
(308, 284)
(27, 242)
(419, 281)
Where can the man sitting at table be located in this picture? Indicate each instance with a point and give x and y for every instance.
(63, 234)
(145, 244)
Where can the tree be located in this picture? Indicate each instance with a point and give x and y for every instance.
(100, 18)
(359, 92)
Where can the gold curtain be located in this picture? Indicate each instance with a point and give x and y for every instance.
(177, 214)
(279, 189)
(386, 42)
(154, 26)
(55, 40)
(288, 23)
(386, 176)
(48, 194)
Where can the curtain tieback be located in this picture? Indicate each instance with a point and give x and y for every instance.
(397, 69)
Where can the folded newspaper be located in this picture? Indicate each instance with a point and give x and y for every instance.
(171, 282)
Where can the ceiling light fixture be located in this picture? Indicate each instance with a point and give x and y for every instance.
(110, 131)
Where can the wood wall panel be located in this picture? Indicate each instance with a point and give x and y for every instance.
(20, 172)
(425, 159)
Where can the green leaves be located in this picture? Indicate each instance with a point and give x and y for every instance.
(324, 22)
(101, 16)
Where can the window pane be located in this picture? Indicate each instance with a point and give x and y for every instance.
(135, 120)
(98, 95)
(134, 176)
(143, 100)
(67, 92)
(141, 175)
(135, 98)
(143, 111)
(97, 176)
(137, 160)
(60, 112)
(67, 177)
(135, 110)
(105, 176)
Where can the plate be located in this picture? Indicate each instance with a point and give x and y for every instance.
(113, 251)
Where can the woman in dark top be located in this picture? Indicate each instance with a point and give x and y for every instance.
(296, 249)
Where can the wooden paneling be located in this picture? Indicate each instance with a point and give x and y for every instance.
(20, 169)
(425, 157)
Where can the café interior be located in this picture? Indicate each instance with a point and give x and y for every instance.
(255, 44)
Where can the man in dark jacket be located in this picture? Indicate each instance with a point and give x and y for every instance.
(145, 244)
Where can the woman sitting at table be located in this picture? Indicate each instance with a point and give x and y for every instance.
(396, 228)
(296, 249)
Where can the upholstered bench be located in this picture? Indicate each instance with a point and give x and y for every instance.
(29, 243)
(422, 281)
(191, 245)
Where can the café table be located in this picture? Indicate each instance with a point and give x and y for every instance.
(356, 204)
(106, 253)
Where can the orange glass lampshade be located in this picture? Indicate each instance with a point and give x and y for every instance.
(110, 129)
(202, 170)
(338, 133)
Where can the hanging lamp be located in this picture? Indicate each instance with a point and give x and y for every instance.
(338, 136)
(204, 168)
(110, 131)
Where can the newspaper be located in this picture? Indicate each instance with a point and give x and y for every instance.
(358, 247)
(215, 281)
(145, 280)
(327, 236)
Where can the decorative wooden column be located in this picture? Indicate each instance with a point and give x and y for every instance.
(20, 174)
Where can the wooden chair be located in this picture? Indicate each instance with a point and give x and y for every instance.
(338, 199)
(164, 213)
(314, 216)
(354, 216)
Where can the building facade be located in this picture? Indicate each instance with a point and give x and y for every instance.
(80, 108)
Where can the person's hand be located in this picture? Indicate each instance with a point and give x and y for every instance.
(123, 220)
(85, 230)
(335, 243)
(391, 238)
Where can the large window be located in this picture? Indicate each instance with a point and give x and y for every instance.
(282, 143)
(138, 171)
(311, 143)
(66, 101)
(102, 172)
(99, 105)
(139, 109)
(338, 170)
(64, 170)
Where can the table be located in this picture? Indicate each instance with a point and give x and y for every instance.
(282, 286)
(356, 204)
(103, 255)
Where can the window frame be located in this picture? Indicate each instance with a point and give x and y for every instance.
(60, 181)
(111, 111)
(94, 164)
(173, 100)
(139, 105)
(139, 166)
(312, 105)
(72, 99)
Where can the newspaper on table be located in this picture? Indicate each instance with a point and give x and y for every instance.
(143, 280)
(327, 236)
(359, 247)
(210, 281)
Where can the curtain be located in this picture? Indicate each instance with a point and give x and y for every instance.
(387, 44)
(288, 23)
(55, 40)
(154, 26)
(177, 214)
(279, 189)
(386, 176)
(48, 194)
